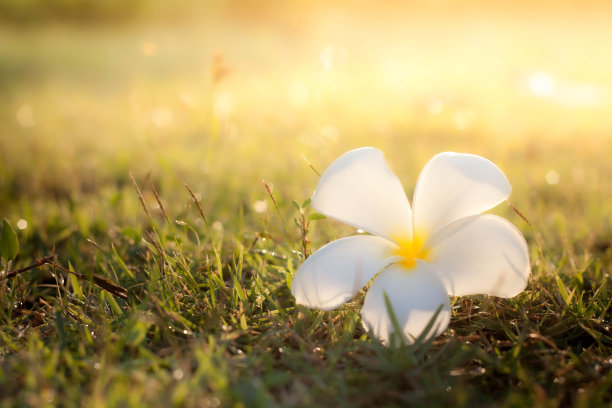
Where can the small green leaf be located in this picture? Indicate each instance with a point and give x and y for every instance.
(136, 332)
(61, 328)
(429, 330)
(397, 337)
(306, 203)
(567, 296)
(9, 245)
(316, 216)
(113, 304)
(76, 286)
(243, 323)
(123, 265)
(296, 205)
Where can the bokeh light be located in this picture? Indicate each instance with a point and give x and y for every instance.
(225, 86)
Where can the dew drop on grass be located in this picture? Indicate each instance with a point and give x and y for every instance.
(177, 374)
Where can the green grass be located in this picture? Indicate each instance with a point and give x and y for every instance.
(209, 319)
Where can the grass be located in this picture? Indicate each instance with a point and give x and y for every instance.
(161, 295)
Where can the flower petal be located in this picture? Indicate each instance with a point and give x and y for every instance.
(337, 271)
(359, 189)
(482, 254)
(414, 294)
(456, 185)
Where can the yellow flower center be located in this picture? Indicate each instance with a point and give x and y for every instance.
(411, 250)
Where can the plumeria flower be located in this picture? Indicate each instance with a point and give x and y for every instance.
(420, 255)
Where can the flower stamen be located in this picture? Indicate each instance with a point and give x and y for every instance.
(410, 250)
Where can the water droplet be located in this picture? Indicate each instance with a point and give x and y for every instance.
(177, 374)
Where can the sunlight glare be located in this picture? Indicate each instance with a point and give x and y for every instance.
(541, 84)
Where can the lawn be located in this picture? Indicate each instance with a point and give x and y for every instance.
(157, 174)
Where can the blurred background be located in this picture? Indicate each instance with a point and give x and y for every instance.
(223, 93)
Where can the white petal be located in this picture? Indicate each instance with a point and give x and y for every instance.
(359, 189)
(483, 254)
(455, 185)
(337, 271)
(414, 294)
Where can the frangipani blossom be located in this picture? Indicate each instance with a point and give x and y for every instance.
(419, 255)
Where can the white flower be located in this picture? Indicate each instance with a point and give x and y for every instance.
(441, 246)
